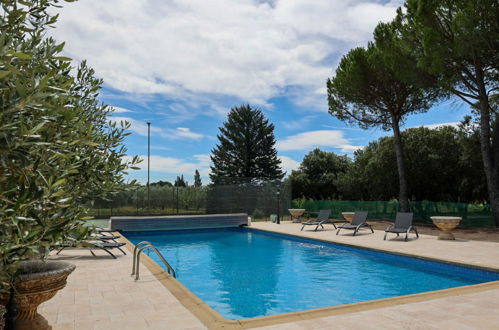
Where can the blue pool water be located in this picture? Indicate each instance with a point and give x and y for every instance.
(243, 273)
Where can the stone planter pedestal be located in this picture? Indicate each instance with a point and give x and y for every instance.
(296, 214)
(38, 282)
(348, 216)
(446, 224)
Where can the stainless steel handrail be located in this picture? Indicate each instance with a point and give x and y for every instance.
(135, 254)
(170, 269)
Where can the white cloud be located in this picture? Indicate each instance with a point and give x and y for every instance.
(297, 124)
(201, 50)
(140, 127)
(160, 148)
(201, 162)
(120, 110)
(317, 139)
(288, 164)
(433, 126)
(176, 166)
(184, 132)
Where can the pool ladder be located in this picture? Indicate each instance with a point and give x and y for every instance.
(139, 248)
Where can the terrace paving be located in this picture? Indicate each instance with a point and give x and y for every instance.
(102, 295)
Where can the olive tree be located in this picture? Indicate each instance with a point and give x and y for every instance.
(57, 145)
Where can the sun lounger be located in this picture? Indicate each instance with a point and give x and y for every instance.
(403, 224)
(94, 242)
(322, 218)
(358, 222)
(105, 246)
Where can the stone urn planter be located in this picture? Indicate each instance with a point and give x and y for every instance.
(348, 216)
(296, 214)
(446, 224)
(38, 282)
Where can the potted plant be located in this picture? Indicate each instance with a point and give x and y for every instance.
(57, 149)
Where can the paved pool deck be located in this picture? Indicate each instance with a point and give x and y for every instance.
(101, 294)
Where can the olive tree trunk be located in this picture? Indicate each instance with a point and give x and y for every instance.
(399, 153)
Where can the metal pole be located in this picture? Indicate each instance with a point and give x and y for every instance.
(278, 206)
(137, 199)
(148, 164)
(177, 199)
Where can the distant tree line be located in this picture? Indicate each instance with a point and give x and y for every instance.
(164, 199)
(442, 165)
(179, 182)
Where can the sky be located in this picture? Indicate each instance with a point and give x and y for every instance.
(183, 64)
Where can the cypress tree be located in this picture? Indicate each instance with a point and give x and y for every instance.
(197, 179)
(180, 182)
(246, 150)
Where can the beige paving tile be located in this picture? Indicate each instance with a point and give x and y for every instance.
(63, 326)
(84, 325)
(101, 294)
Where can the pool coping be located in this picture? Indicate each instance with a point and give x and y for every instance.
(213, 320)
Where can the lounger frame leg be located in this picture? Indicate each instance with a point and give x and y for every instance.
(104, 249)
(61, 250)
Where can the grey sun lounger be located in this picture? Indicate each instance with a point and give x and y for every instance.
(403, 224)
(358, 222)
(95, 243)
(322, 218)
(105, 234)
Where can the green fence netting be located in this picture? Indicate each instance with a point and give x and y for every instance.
(258, 199)
(474, 215)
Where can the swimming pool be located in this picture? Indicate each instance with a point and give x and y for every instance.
(243, 273)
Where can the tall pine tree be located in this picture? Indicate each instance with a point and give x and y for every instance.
(246, 150)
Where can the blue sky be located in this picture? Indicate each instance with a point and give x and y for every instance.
(183, 64)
